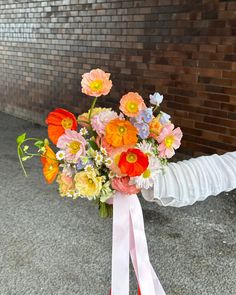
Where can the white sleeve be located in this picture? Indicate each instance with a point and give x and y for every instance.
(185, 182)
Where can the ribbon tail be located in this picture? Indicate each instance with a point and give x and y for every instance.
(120, 246)
(149, 283)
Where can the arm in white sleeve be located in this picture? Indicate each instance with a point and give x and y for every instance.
(185, 182)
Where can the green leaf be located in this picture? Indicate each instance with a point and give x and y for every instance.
(39, 144)
(93, 145)
(21, 138)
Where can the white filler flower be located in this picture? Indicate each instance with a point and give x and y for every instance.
(156, 98)
(146, 180)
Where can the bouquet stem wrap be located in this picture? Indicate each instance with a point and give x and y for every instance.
(129, 239)
(193, 180)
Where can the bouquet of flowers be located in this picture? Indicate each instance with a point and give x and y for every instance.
(104, 151)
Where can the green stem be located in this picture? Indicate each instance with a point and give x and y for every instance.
(156, 107)
(91, 109)
(20, 160)
(18, 152)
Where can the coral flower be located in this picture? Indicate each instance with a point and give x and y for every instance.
(50, 165)
(132, 104)
(120, 132)
(96, 83)
(58, 121)
(121, 184)
(155, 128)
(73, 143)
(133, 162)
(169, 140)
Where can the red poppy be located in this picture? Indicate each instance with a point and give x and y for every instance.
(133, 162)
(58, 121)
(50, 165)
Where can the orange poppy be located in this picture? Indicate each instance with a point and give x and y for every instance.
(58, 121)
(120, 132)
(133, 162)
(50, 165)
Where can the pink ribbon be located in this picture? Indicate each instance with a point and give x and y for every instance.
(129, 238)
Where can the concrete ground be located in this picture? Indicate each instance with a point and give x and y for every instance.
(50, 245)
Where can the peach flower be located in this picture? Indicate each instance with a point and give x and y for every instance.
(96, 83)
(66, 184)
(131, 104)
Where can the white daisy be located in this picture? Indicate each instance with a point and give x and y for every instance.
(108, 162)
(103, 151)
(83, 131)
(146, 180)
(60, 155)
(98, 158)
(146, 148)
(89, 169)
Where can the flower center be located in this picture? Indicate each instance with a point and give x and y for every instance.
(169, 140)
(90, 181)
(67, 123)
(74, 147)
(146, 173)
(122, 129)
(96, 85)
(132, 107)
(131, 158)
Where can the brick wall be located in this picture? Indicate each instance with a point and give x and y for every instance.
(185, 49)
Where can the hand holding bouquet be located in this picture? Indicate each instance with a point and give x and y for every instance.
(103, 151)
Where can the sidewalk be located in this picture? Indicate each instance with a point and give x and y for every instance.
(52, 246)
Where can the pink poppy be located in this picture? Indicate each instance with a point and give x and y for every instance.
(169, 140)
(73, 144)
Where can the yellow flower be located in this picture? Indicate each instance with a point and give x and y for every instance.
(88, 184)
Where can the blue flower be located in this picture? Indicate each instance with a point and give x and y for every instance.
(156, 98)
(164, 118)
(143, 130)
(147, 115)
